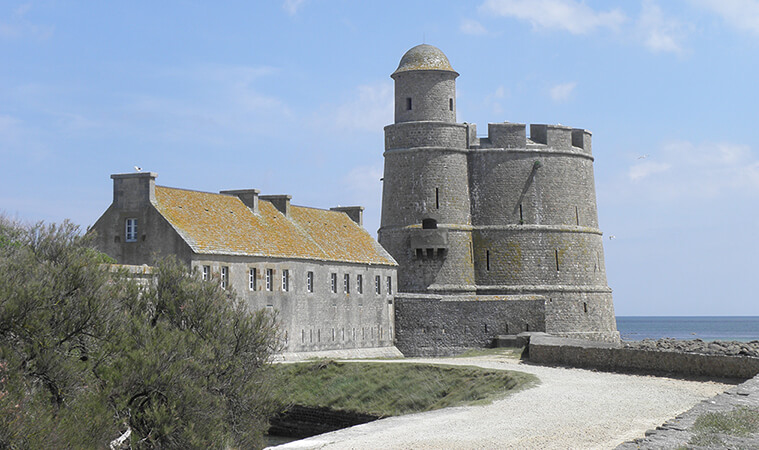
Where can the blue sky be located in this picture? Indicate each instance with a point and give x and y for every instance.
(291, 97)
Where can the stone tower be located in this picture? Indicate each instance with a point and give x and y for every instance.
(426, 214)
(473, 219)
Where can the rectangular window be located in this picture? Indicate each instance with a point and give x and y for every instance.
(310, 282)
(252, 279)
(285, 280)
(450, 104)
(487, 259)
(377, 283)
(437, 198)
(224, 277)
(389, 285)
(333, 283)
(268, 278)
(408, 103)
(131, 230)
(359, 284)
(347, 283)
(206, 273)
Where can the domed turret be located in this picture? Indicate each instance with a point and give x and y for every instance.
(424, 57)
(425, 86)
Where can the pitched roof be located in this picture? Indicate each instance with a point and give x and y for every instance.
(223, 224)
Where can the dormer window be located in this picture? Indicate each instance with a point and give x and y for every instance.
(131, 230)
(408, 103)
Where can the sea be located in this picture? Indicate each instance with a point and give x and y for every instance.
(706, 328)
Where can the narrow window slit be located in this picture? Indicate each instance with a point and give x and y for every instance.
(577, 215)
(487, 259)
(408, 103)
(437, 198)
(556, 253)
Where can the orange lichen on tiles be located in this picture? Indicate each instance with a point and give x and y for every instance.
(223, 224)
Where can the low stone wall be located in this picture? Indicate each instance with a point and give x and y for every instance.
(439, 325)
(614, 358)
(677, 432)
(305, 421)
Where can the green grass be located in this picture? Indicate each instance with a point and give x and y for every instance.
(389, 389)
(711, 428)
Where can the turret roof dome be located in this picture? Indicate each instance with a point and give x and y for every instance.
(424, 57)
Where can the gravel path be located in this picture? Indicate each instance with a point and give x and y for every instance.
(569, 409)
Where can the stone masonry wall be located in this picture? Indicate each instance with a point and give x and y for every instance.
(584, 354)
(322, 319)
(439, 325)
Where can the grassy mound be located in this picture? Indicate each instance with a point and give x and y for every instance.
(389, 389)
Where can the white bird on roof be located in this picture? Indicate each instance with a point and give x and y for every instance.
(138, 169)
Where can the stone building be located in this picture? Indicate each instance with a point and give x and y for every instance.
(330, 281)
(493, 235)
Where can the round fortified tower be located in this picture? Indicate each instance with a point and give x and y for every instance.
(501, 216)
(426, 217)
(535, 225)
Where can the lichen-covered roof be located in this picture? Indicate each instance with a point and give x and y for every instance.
(424, 57)
(223, 224)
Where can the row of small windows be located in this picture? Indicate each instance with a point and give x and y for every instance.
(285, 279)
(365, 333)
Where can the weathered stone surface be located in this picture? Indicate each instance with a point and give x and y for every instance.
(518, 214)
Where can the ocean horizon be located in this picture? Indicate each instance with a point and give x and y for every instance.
(706, 328)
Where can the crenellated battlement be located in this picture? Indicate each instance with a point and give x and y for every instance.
(514, 135)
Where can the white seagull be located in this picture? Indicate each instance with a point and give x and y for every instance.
(138, 169)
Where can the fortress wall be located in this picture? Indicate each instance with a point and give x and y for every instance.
(430, 92)
(429, 325)
(449, 271)
(532, 186)
(425, 134)
(583, 315)
(306, 319)
(529, 256)
(423, 183)
(585, 354)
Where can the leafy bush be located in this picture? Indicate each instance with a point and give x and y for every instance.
(86, 353)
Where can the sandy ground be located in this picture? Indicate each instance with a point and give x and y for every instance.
(569, 409)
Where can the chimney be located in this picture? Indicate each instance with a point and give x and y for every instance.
(248, 196)
(133, 190)
(356, 213)
(281, 202)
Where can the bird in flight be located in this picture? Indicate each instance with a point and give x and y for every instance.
(642, 156)
(138, 169)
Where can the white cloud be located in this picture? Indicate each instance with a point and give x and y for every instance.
(292, 6)
(470, 26)
(644, 169)
(659, 33)
(740, 14)
(568, 15)
(687, 170)
(370, 109)
(19, 27)
(562, 92)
